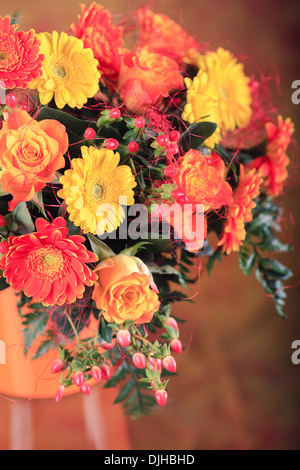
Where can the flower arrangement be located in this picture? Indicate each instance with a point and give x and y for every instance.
(119, 170)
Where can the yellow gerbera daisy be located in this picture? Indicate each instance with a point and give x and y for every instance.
(69, 71)
(220, 90)
(94, 189)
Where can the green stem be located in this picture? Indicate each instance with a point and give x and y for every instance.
(73, 327)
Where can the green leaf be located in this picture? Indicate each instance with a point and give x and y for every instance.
(75, 127)
(196, 134)
(247, 260)
(128, 387)
(132, 250)
(216, 256)
(3, 283)
(34, 323)
(22, 221)
(105, 331)
(100, 248)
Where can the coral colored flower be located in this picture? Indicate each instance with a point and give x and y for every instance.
(30, 154)
(273, 166)
(239, 212)
(146, 78)
(202, 180)
(98, 33)
(220, 91)
(48, 265)
(20, 58)
(69, 71)
(93, 187)
(164, 36)
(123, 290)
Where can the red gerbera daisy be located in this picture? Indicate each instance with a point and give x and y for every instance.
(20, 60)
(48, 265)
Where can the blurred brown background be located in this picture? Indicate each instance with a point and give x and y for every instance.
(236, 387)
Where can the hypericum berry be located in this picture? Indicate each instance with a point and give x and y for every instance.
(85, 388)
(170, 171)
(177, 192)
(161, 397)
(139, 360)
(155, 364)
(106, 372)
(174, 136)
(106, 346)
(59, 393)
(172, 322)
(11, 100)
(176, 346)
(139, 122)
(111, 144)
(169, 363)
(182, 199)
(57, 366)
(24, 107)
(124, 338)
(2, 221)
(96, 373)
(78, 378)
(162, 140)
(4, 247)
(114, 113)
(133, 147)
(172, 149)
(89, 133)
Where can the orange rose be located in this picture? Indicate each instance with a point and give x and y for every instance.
(30, 154)
(123, 290)
(147, 77)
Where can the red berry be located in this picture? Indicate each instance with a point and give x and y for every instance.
(2, 221)
(172, 149)
(178, 192)
(133, 147)
(172, 322)
(78, 378)
(139, 360)
(170, 171)
(59, 393)
(106, 372)
(96, 373)
(174, 136)
(24, 107)
(176, 346)
(106, 346)
(114, 113)
(182, 199)
(4, 247)
(169, 363)
(155, 364)
(111, 144)
(124, 338)
(139, 122)
(57, 366)
(161, 397)
(162, 140)
(11, 100)
(89, 133)
(85, 388)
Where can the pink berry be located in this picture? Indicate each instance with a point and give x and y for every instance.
(78, 378)
(176, 346)
(161, 397)
(162, 140)
(85, 388)
(133, 147)
(59, 393)
(170, 171)
(106, 372)
(2, 221)
(139, 122)
(174, 136)
(169, 363)
(111, 144)
(89, 133)
(139, 360)
(106, 346)
(155, 364)
(124, 338)
(114, 113)
(96, 373)
(172, 322)
(11, 100)
(57, 366)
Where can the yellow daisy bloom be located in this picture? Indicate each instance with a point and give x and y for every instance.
(69, 71)
(220, 90)
(94, 189)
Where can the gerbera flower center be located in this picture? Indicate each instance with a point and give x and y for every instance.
(97, 191)
(3, 56)
(59, 71)
(47, 263)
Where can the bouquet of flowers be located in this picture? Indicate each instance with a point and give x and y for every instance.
(120, 169)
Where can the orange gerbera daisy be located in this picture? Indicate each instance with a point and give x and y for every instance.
(240, 211)
(48, 265)
(273, 166)
(164, 36)
(98, 33)
(20, 61)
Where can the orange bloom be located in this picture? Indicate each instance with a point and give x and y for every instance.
(20, 60)
(202, 180)
(163, 36)
(273, 166)
(98, 33)
(239, 212)
(30, 154)
(123, 290)
(147, 77)
(48, 265)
